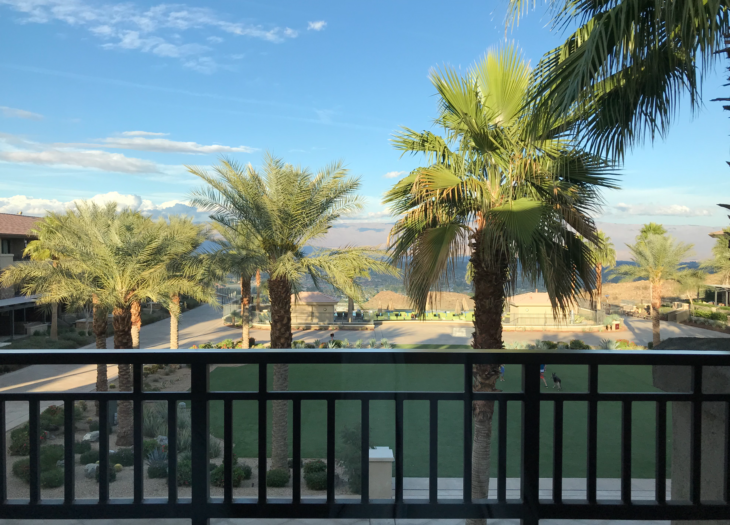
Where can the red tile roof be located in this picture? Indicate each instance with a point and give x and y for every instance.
(17, 225)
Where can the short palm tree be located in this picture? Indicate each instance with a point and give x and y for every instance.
(491, 195)
(656, 258)
(284, 209)
(651, 228)
(624, 70)
(239, 253)
(604, 254)
(720, 262)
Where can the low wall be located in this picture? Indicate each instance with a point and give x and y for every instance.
(333, 327)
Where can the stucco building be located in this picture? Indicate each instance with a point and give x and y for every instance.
(313, 308)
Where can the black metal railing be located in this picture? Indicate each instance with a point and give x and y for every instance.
(201, 507)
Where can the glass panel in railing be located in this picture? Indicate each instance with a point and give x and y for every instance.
(314, 449)
(575, 439)
(170, 377)
(156, 444)
(51, 459)
(16, 456)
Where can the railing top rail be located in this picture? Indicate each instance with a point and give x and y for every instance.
(370, 356)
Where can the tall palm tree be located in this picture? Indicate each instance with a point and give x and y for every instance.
(490, 194)
(37, 250)
(623, 72)
(657, 258)
(651, 228)
(604, 254)
(286, 208)
(720, 262)
(258, 290)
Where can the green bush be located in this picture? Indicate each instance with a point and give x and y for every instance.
(214, 449)
(577, 344)
(123, 456)
(550, 345)
(148, 445)
(317, 465)
(184, 473)
(350, 457)
(50, 455)
(277, 478)
(316, 480)
(92, 456)
(52, 478)
(81, 446)
(21, 469)
(718, 316)
(20, 441)
(237, 476)
(705, 314)
(290, 463)
(94, 426)
(112, 474)
(157, 470)
(51, 418)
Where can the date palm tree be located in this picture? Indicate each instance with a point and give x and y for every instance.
(489, 194)
(604, 254)
(239, 253)
(624, 70)
(720, 262)
(656, 258)
(284, 209)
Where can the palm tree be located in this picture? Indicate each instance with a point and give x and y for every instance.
(624, 70)
(651, 228)
(37, 250)
(285, 208)
(491, 194)
(689, 281)
(605, 256)
(657, 258)
(239, 253)
(258, 290)
(720, 262)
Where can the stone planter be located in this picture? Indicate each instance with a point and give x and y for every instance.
(715, 380)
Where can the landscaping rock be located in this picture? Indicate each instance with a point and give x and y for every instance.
(92, 437)
(90, 470)
(162, 440)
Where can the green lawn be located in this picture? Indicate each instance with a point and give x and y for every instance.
(416, 429)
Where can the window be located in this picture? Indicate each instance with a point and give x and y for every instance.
(6, 246)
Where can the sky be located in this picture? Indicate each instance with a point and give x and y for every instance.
(111, 101)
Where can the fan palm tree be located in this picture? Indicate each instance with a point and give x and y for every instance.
(286, 208)
(720, 262)
(657, 258)
(624, 70)
(490, 194)
(604, 254)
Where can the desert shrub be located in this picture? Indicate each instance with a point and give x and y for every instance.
(20, 441)
(701, 312)
(350, 457)
(237, 475)
(51, 418)
(315, 466)
(577, 344)
(93, 426)
(154, 421)
(157, 470)
(290, 463)
(82, 333)
(112, 474)
(148, 445)
(246, 471)
(185, 456)
(123, 456)
(81, 446)
(184, 439)
(49, 456)
(52, 478)
(21, 469)
(550, 345)
(277, 478)
(316, 480)
(184, 473)
(214, 449)
(92, 456)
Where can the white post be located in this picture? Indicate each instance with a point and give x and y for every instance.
(381, 473)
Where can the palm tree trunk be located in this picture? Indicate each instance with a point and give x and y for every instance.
(280, 295)
(245, 310)
(489, 285)
(123, 340)
(136, 313)
(54, 321)
(174, 322)
(99, 327)
(656, 303)
(258, 291)
(599, 284)
(350, 308)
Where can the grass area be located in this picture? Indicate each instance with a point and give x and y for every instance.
(416, 423)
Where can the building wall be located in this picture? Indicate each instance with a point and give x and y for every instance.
(16, 245)
(313, 313)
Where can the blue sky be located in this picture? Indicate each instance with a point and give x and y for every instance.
(110, 100)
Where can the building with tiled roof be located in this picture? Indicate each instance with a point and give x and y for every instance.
(15, 233)
(313, 308)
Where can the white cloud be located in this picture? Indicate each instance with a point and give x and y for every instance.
(100, 160)
(158, 29)
(160, 145)
(677, 210)
(143, 134)
(394, 174)
(19, 113)
(316, 26)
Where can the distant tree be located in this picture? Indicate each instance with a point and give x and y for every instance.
(651, 229)
(604, 255)
(689, 282)
(657, 258)
(720, 262)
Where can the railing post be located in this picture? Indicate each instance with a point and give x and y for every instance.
(531, 444)
(199, 422)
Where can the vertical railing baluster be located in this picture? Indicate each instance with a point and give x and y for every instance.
(330, 451)
(661, 453)
(3, 455)
(502, 451)
(592, 433)
(468, 410)
(138, 438)
(35, 449)
(399, 449)
(263, 379)
(227, 450)
(531, 442)
(103, 469)
(626, 451)
(172, 451)
(433, 451)
(365, 451)
(297, 452)
(199, 387)
(695, 441)
(558, 452)
(68, 452)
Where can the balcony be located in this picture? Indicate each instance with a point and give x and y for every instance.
(534, 447)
